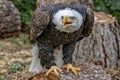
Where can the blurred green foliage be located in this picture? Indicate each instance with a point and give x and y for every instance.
(6, 78)
(109, 7)
(26, 9)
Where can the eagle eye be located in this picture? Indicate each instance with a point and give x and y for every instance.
(72, 17)
(62, 17)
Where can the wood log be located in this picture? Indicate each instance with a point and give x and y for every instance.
(102, 46)
(88, 72)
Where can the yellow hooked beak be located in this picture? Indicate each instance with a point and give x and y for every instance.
(66, 22)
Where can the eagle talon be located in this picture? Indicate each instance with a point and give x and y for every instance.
(54, 69)
(70, 67)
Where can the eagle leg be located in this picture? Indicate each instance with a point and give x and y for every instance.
(70, 67)
(46, 55)
(54, 69)
(68, 50)
(47, 58)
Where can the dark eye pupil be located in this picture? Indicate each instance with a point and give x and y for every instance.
(62, 17)
(72, 17)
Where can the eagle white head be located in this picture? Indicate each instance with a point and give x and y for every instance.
(67, 20)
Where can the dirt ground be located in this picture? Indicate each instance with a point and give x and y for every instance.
(15, 59)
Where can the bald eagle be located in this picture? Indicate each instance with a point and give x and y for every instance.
(56, 25)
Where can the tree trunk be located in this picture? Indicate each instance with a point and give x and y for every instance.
(102, 46)
(41, 3)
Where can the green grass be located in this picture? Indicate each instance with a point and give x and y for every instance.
(23, 39)
(15, 67)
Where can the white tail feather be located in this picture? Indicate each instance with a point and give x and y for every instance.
(35, 64)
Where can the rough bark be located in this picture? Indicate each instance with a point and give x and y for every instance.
(88, 72)
(41, 3)
(89, 3)
(102, 46)
(10, 23)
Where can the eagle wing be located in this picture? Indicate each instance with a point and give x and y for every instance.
(38, 24)
(88, 25)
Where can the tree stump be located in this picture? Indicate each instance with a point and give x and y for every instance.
(102, 46)
(10, 23)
